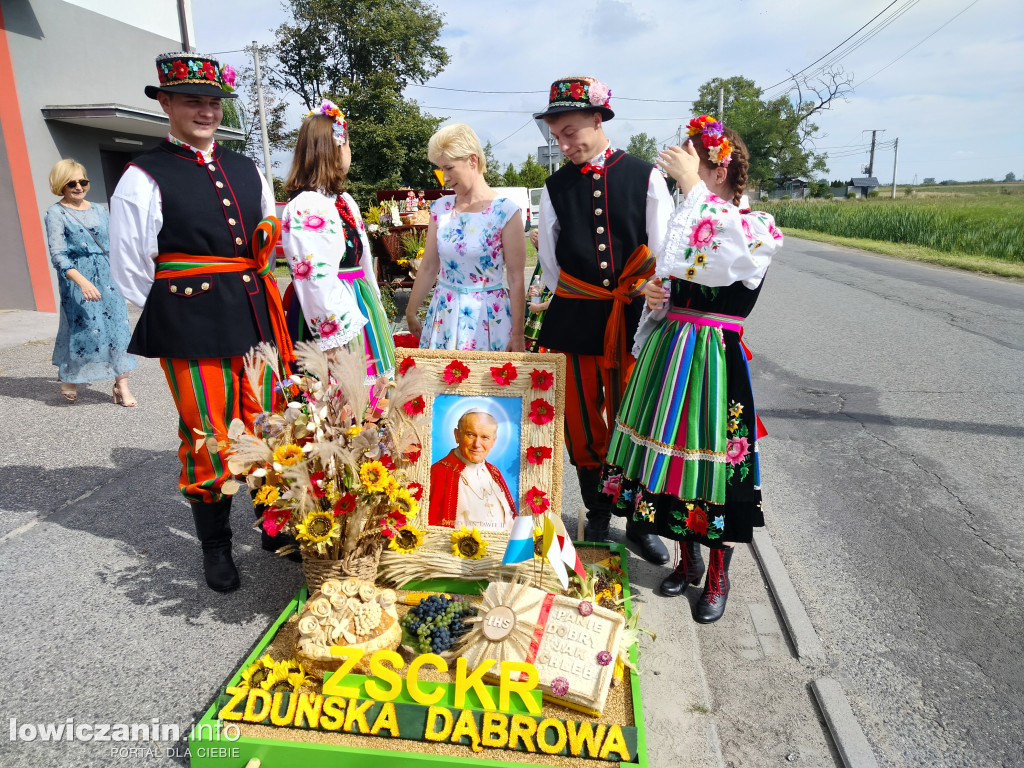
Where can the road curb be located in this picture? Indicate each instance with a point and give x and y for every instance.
(850, 741)
(805, 640)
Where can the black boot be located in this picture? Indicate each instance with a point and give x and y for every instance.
(599, 505)
(711, 605)
(689, 571)
(274, 543)
(213, 527)
(652, 548)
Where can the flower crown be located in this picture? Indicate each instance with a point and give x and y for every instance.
(710, 130)
(330, 109)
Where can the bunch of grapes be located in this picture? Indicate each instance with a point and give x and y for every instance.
(436, 623)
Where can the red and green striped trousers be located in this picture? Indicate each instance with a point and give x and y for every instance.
(208, 394)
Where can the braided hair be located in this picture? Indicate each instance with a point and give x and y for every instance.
(739, 164)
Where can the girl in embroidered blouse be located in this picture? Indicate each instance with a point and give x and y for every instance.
(683, 455)
(334, 298)
(472, 235)
(92, 338)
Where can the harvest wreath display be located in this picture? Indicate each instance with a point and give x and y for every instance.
(447, 613)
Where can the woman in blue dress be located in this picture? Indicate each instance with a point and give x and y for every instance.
(92, 338)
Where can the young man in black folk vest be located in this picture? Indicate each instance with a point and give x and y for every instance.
(182, 223)
(595, 212)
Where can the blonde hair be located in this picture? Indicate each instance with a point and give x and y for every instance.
(64, 171)
(316, 164)
(456, 141)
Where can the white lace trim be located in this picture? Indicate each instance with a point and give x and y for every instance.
(680, 225)
(670, 450)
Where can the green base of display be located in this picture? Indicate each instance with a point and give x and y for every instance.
(206, 750)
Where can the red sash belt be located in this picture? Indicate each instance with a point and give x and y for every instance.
(638, 270)
(264, 239)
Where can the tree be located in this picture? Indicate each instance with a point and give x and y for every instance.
(643, 146)
(532, 174)
(511, 177)
(362, 54)
(928, 181)
(778, 132)
(1011, 176)
(492, 176)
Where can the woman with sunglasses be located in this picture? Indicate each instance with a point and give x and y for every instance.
(92, 338)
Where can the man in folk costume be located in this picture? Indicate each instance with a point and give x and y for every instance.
(603, 216)
(183, 224)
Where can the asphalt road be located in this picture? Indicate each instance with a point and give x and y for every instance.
(893, 394)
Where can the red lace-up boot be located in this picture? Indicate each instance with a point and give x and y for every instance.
(689, 570)
(711, 605)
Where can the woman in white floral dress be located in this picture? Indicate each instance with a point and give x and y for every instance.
(336, 298)
(472, 235)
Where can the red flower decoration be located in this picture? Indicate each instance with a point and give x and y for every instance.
(416, 490)
(537, 500)
(385, 529)
(388, 462)
(405, 365)
(406, 341)
(505, 375)
(274, 520)
(413, 452)
(208, 71)
(346, 504)
(416, 406)
(697, 521)
(536, 454)
(180, 70)
(456, 372)
(542, 380)
(317, 482)
(541, 411)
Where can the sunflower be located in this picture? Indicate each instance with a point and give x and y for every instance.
(375, 477)
(408, 538)
(289, 667)
(287, 454)
(538, 542)
(317, 528)
(468, 544)
(285, 682)
(405, 502)
(354, 431)
(266, 495)
(256, 674)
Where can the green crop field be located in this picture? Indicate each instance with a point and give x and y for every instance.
(975, 219)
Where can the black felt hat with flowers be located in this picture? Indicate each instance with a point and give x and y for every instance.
(575, 94)
(194, 75)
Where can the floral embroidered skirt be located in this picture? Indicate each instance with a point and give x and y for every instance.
(682, 459)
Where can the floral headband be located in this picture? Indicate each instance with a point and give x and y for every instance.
(330, 109)
(710, 131)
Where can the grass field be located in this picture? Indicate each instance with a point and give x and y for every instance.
(972, 219)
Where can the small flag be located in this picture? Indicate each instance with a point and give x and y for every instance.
(440, 176)
(553, 551)
(520, 541)
(568, 551)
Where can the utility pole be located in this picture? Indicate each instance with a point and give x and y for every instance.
(871, 162)
(263, 117)
(895, 154)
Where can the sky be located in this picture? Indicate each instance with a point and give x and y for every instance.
(944, 77)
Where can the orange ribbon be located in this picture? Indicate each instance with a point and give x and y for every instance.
(639, 268)
(265, 238)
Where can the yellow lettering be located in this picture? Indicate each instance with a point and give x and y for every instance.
(495, 730)
(356, 715)
(466, 726)
(523, 728)
(228, 711)
(380, 670)
(464, 681)
(276, 718)
(387, 720)
(614, 742)
(308, 709)
(581, 734)
(257, 695)
(520, 678)
(542, 742)
(350, 657)
(432, 734)
(334, 714)
(413, 684)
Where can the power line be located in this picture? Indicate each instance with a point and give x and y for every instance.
(507, 93)
(530, 112)
(915, 46)
(517, 130)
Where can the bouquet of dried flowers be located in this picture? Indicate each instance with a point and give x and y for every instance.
(327, 465)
